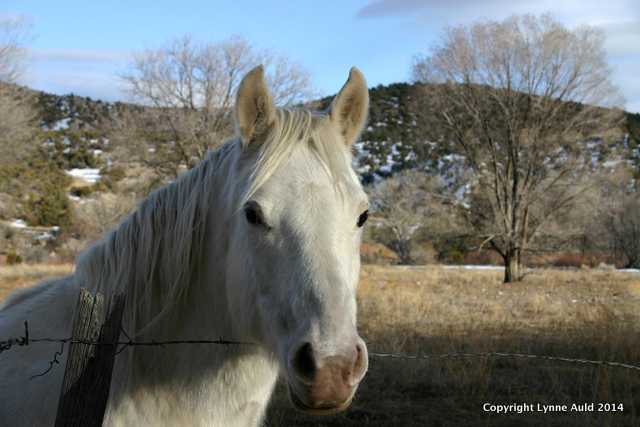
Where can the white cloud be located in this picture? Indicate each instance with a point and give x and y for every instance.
(96, 83)
(84, 72)
(78, 55)
(9, 16)
(623, 38)
(381, 8)
(569, 11)
(619, 19)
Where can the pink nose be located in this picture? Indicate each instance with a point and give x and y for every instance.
(330, 382)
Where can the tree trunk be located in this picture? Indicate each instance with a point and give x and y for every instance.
(512, 266)
(403, 249)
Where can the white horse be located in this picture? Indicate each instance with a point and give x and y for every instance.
(258, 243)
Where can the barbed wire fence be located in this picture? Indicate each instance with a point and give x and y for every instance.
(497, 354)
(26, 340)
(96, 341)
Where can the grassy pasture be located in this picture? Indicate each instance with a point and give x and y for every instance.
(430, 310)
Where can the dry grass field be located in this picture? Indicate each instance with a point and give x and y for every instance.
(24, 275)
(580, 314)
(430, 310)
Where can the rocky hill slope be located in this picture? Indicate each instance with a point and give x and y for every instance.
(75, 134)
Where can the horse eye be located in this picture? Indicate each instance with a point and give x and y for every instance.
(363, 218)
(253, 215)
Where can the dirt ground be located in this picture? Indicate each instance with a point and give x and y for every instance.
(432, 311)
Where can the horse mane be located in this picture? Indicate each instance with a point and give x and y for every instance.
(153, 254)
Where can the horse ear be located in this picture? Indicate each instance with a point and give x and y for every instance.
(255, 110)
(349, 108)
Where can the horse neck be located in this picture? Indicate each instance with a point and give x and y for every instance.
(204, 314)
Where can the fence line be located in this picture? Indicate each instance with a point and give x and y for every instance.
(26, 340)
(494, 354)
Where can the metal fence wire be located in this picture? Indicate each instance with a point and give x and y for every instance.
(26, 340)
(496, 354)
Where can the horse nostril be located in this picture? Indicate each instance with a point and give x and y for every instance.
(358, 365)
(304, 363)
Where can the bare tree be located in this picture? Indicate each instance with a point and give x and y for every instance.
(615, 225)
(406, 204)
(623, 224)
(14, 34)
(188, 88)
(17, 116)
(515, 98)
(102, 214)
(18, 124)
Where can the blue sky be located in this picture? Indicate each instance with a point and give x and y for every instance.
(80, 46)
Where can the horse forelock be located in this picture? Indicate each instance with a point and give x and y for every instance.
(296, 128)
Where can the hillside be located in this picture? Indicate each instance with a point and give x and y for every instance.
(391, 141)
(75, 137)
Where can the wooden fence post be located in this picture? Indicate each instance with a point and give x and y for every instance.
(87, 377)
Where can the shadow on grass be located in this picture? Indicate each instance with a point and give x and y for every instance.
(452, 392)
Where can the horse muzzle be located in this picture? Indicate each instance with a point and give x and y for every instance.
(325, 386)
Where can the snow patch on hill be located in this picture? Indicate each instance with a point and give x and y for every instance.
(18, 223)
(87, 174)
(62, 124)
